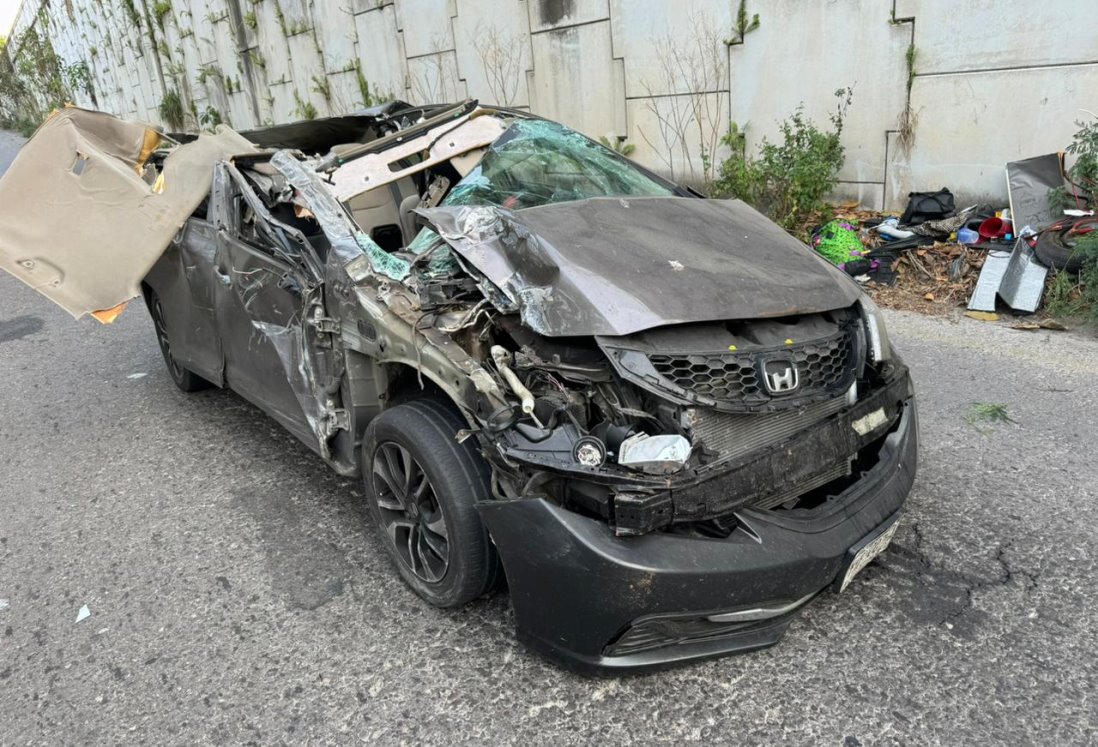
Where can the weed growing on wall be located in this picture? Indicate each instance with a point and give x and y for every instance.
(788, 179)
(370, 96)
(171, 110)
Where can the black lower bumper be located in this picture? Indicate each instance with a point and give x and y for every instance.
(603, 603)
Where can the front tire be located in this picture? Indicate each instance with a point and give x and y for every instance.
(422, 487)
(183, 377)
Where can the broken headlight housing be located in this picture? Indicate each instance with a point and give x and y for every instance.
(876, 335)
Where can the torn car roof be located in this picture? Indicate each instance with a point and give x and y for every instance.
(85, 214)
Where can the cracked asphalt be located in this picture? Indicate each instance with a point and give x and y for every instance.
(237, 596)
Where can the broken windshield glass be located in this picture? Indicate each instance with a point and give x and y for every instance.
(536, 162)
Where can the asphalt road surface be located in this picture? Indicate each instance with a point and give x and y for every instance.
(236, 594)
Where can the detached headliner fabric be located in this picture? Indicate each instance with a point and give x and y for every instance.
(77, 222)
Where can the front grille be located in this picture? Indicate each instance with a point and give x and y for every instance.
(732, 435)
(721, 376)
(822, 366)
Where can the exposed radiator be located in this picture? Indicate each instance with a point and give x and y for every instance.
(732, 435)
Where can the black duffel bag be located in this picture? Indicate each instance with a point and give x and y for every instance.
(924, 206)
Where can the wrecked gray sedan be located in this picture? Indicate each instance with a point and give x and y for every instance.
(669, 424)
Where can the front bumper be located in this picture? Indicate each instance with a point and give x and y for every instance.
(598, 602)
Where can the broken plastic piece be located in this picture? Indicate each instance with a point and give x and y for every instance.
(107, 316)
(83, 614)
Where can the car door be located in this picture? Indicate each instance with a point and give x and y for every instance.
(184, 282)
(264, 292)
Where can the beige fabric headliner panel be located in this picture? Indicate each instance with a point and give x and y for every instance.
(77, 222)
(443, 142)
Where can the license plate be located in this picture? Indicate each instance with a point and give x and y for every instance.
(863, 553)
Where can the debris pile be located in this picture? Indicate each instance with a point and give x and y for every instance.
(934, 258)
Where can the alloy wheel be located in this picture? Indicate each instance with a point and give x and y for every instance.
(410, 512)
(162, 338)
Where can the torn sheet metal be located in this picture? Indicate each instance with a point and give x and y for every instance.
(1017, 276)
(1024, 280)
(602, 266)
(987, 285)
(1028, 185)
(80, 225)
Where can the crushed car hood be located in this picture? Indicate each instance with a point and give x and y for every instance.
(614, 266)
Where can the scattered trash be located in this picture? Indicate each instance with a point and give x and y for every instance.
(138, 375)
(83, 614)
(838, 242)
(1051, 324)
(983, 316)
(968, 236)
(102, 631)
(890, 229)
(4, 604)
(675, 265)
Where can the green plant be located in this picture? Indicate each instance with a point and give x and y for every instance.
(743, 26)
(908, 119)
(131, 11)
(1077, 295)
(160, 10)
(39, 81)
(323, 86)
(171, 110)
(369, 98)
(78, 77)
(305, 109)
(618, 145)
(1083, 173)
(788, 179)
(987, 412)
(210, 71)
(250, 20)
(210, 118)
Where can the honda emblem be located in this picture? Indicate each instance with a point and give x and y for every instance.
(780, 376)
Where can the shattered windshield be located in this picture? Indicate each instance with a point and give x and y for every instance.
(536, 162)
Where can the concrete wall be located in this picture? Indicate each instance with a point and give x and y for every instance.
(990, 82)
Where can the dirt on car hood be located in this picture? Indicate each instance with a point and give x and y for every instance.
(614, 266)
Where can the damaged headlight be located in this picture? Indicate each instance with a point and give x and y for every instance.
(655, 454)
(880, 349)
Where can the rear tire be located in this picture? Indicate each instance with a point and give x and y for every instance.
(184, 378)
(422, 487)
